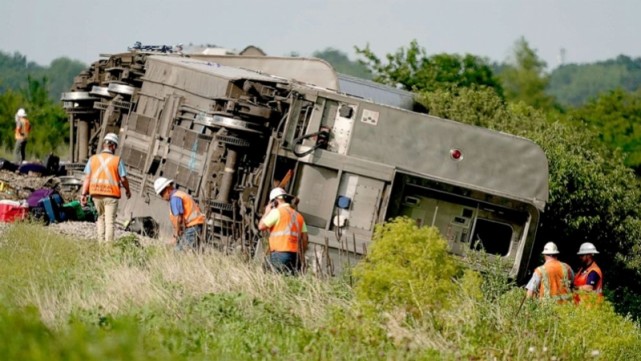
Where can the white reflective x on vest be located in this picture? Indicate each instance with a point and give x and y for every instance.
(104, 167)
(194, 214)
(290, 226)
(546, 283)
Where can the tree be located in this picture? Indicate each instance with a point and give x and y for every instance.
(341, 63)
(412, 69)
(575, 84)
(616, 118)
(60, 75)
(524, 77)
(15, 69)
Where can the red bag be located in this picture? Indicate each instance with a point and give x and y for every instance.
(11, 211)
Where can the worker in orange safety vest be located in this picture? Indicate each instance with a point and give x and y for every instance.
(589, 278)
(185, 215)
(552, 280)
(288, 233)
(105, 174)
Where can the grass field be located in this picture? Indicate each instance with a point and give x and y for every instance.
(71, 299)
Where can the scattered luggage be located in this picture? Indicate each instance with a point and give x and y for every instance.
(11, 211)
(36, 196)
(53, 206)
(32, 169)
(146, 226)
(42, 196)
(7, 165)
(91, 214)
(74, 211)
(52, 164)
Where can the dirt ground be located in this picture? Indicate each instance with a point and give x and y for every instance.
(21, 185)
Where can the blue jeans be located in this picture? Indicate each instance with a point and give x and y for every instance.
(285, 262)
(189, 238)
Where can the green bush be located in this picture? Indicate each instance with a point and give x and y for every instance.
(407, 267)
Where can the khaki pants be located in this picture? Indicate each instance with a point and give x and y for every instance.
(20, 151)
(106, 208)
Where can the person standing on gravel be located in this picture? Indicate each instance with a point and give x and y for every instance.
(184, 213)
(105, 174)
(23, 128)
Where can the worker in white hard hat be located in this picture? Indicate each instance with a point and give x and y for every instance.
(105, 174)
(185, 215)
(23, 129)
(552, 280)
(288, 233)
(589, 278)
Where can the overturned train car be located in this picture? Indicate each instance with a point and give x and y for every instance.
(228, 133)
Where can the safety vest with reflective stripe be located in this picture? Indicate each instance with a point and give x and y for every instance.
(23, 128)
(284, 236)
(191, 216)
(581, 278)
(556, 279)
(105, 180)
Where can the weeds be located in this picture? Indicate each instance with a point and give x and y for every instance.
(65, 299)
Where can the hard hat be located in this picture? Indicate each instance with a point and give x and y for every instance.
(550, 248)
(21, 113)
(277, 192)
(111, 137)
(161, 183)
(587, 248)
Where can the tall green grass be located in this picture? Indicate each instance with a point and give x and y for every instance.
(62, 151)
(72, 299)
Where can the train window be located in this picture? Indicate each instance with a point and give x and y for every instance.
(491, 236)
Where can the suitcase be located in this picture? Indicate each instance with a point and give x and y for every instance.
(52, 163)
(38, 214)
(32, 169)
(7, 165)
(36, 196)
(89, 209)
(11, 211)
(53, 208)
(146, 226)
(74, 211)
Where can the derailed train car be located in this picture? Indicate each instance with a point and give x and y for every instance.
(353, 152)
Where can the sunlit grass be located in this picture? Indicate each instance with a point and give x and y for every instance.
(76, 299)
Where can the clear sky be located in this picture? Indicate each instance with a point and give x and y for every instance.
(588, 30)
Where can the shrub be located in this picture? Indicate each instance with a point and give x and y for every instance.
(408, 267)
